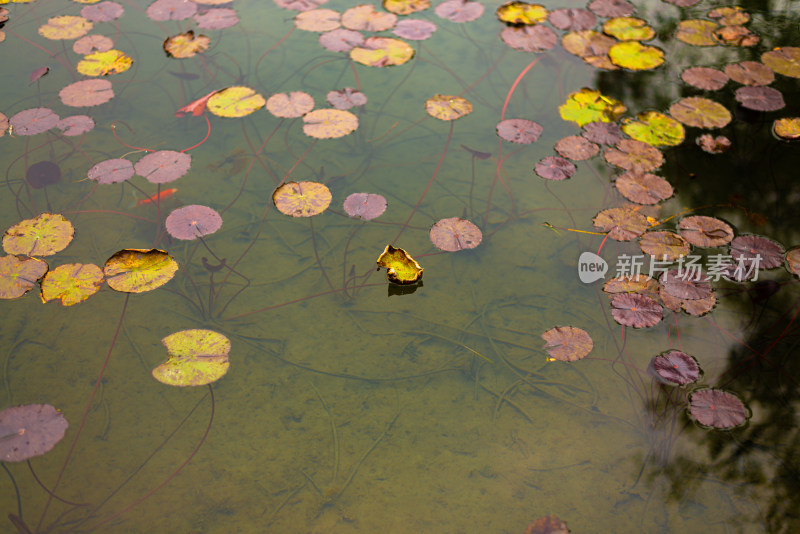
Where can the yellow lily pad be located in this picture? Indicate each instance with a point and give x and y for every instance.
(634, 55)
(185, 45)
(196, 358)
(329, 123)
(400, 267)
(700, 112)
(697, 32)
(43, 235)
(237, 101)
(104, 63)
(655, 129)
(133, 270)
(589, 105)
(787, 128)
(19, 274)
(405, 7)
(72, 283)
(382, 52)
(521, 13)
(784, 60)
(65, 27)
(628, 29)
(447, 107)
(302, 199)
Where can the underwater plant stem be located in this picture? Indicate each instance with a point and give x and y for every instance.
(114, 132)
(334, 436)
(170, 477)
(316, 254)
(208, 133)
(36, 478)
(85, 413)
(16, 488)
(427, 187)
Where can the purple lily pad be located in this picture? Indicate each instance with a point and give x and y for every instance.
(604, 133)
(554, 168)
(638, 311)
(715, 408)
(33, 121)
(753, 252)
(760, 98)
(521, 131)
(346, 98)
(365, 206)
(163, 166)
(38, 73)
(536, 38)
(341, 40)
(161, 10)
(455, 234)
(42, 174)
(459, 10)
(111, 171)
(414, 29)
(611, 8)
(29, 430)
(75, 125)
(217, 19)
(572, 19)
(102, 12)
(675, 368)
(86, 93)
(686, 284)
(189, 222)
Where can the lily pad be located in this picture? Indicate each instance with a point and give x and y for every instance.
(43, 173)
(787, 128)
(518, 12)
(643, 187)
(459, 10)
(329, 123)
(697, 32)
(72, 283)
(603, 133)
(637, 311)
(302, 199)
(30, 430)
(163, 166)
(663, 245)
(621, 224)
(704, 231)
(65, 27)
(85, 93)
(567, 343)
(655, 129)
(196, 358)
(713, 145)
(414, 29)
(760, 98)
(455, 234)
(290, 105)
(688, 284)
(44, 235)
(633, 55)
(675, 368)
(628, 29)
(634, 155)
(366, 206)
(405, 7)
(185, 45)
(705, 78)
(715, 408)
(318, 20)
(18, 275)
(341, 40)
(366, 18)
(344, 98)
(234, 102)
(576, 148)
(700, 112)
(611, 8)
(104, 63)
(572, 19)
(784, 60)
(138, 270)
(400, 267)
(764, 252)
(448, 107)
(589, 105)
(190, 222)
(111, 171)
(536, 38)
(33, 121)
(554, 168)
(521, 131)
(750, 73)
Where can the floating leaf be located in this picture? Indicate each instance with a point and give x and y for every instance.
(567, 343)
(366, 18)
(38, 73)
(760, 98)
(405, 7)
(588, 44)
(787, 128)
(784, 60)
(237, 101)
(75, 125)
(162, 10)
(588, 105)
(700, 112)
(705, 78)
(686, 283)
(638, 283)
(459, 10)
(414, 29)
(400, 267)
(628, 29)
(216, 19)
(302, 199)
(750, 73)
(196, 358)
(735, 36)
(196, 107)
(554, 168)
(65, 27)
(730, 15)
(697, 32)
(448, 107)
(43, 173)
(536, 38)
(655, 129)
(33, 121)
(622, 224)
(299, 5)
(86, 93)
(189, 222)
(643, 187)
(521, 13)
(611, 8)
(104, 63)
(344, 98)
(44, 235)
(163, 166)
(92, 43)
(318, 20)
(576, 148)
(638, 311)
(290, 105)
(703, 231)
(715, 408)
(713, 145)
(793, 261)
(634, 156)
(763, 252)
(572, 19)
(186, 44)
(29, 430)
(18, 275)
(675, 368)
(111, 171)
(663, 245)
(455, 234)
(635, 56)
(72, 283)
(134, 270)
(366, 206)
(341, 40)
(604, 133)
(329, 123)
(102, 12)
(382, 52)
(521, 131)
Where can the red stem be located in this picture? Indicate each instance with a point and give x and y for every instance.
(208, 122)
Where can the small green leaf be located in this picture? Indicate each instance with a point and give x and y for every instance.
(196, 358)
(134, 270)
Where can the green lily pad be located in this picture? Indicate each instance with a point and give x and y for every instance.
(18, 275)
(72, 283)
(655, 129)
(634, 55)
(43, 235)
(589, 105)
(196, 358)
(134, 270)
(628, 29)
(382, 52)
(400, 267)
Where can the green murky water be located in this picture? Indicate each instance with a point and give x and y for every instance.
(349, 410)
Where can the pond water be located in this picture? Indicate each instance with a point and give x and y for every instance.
(355, 405)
